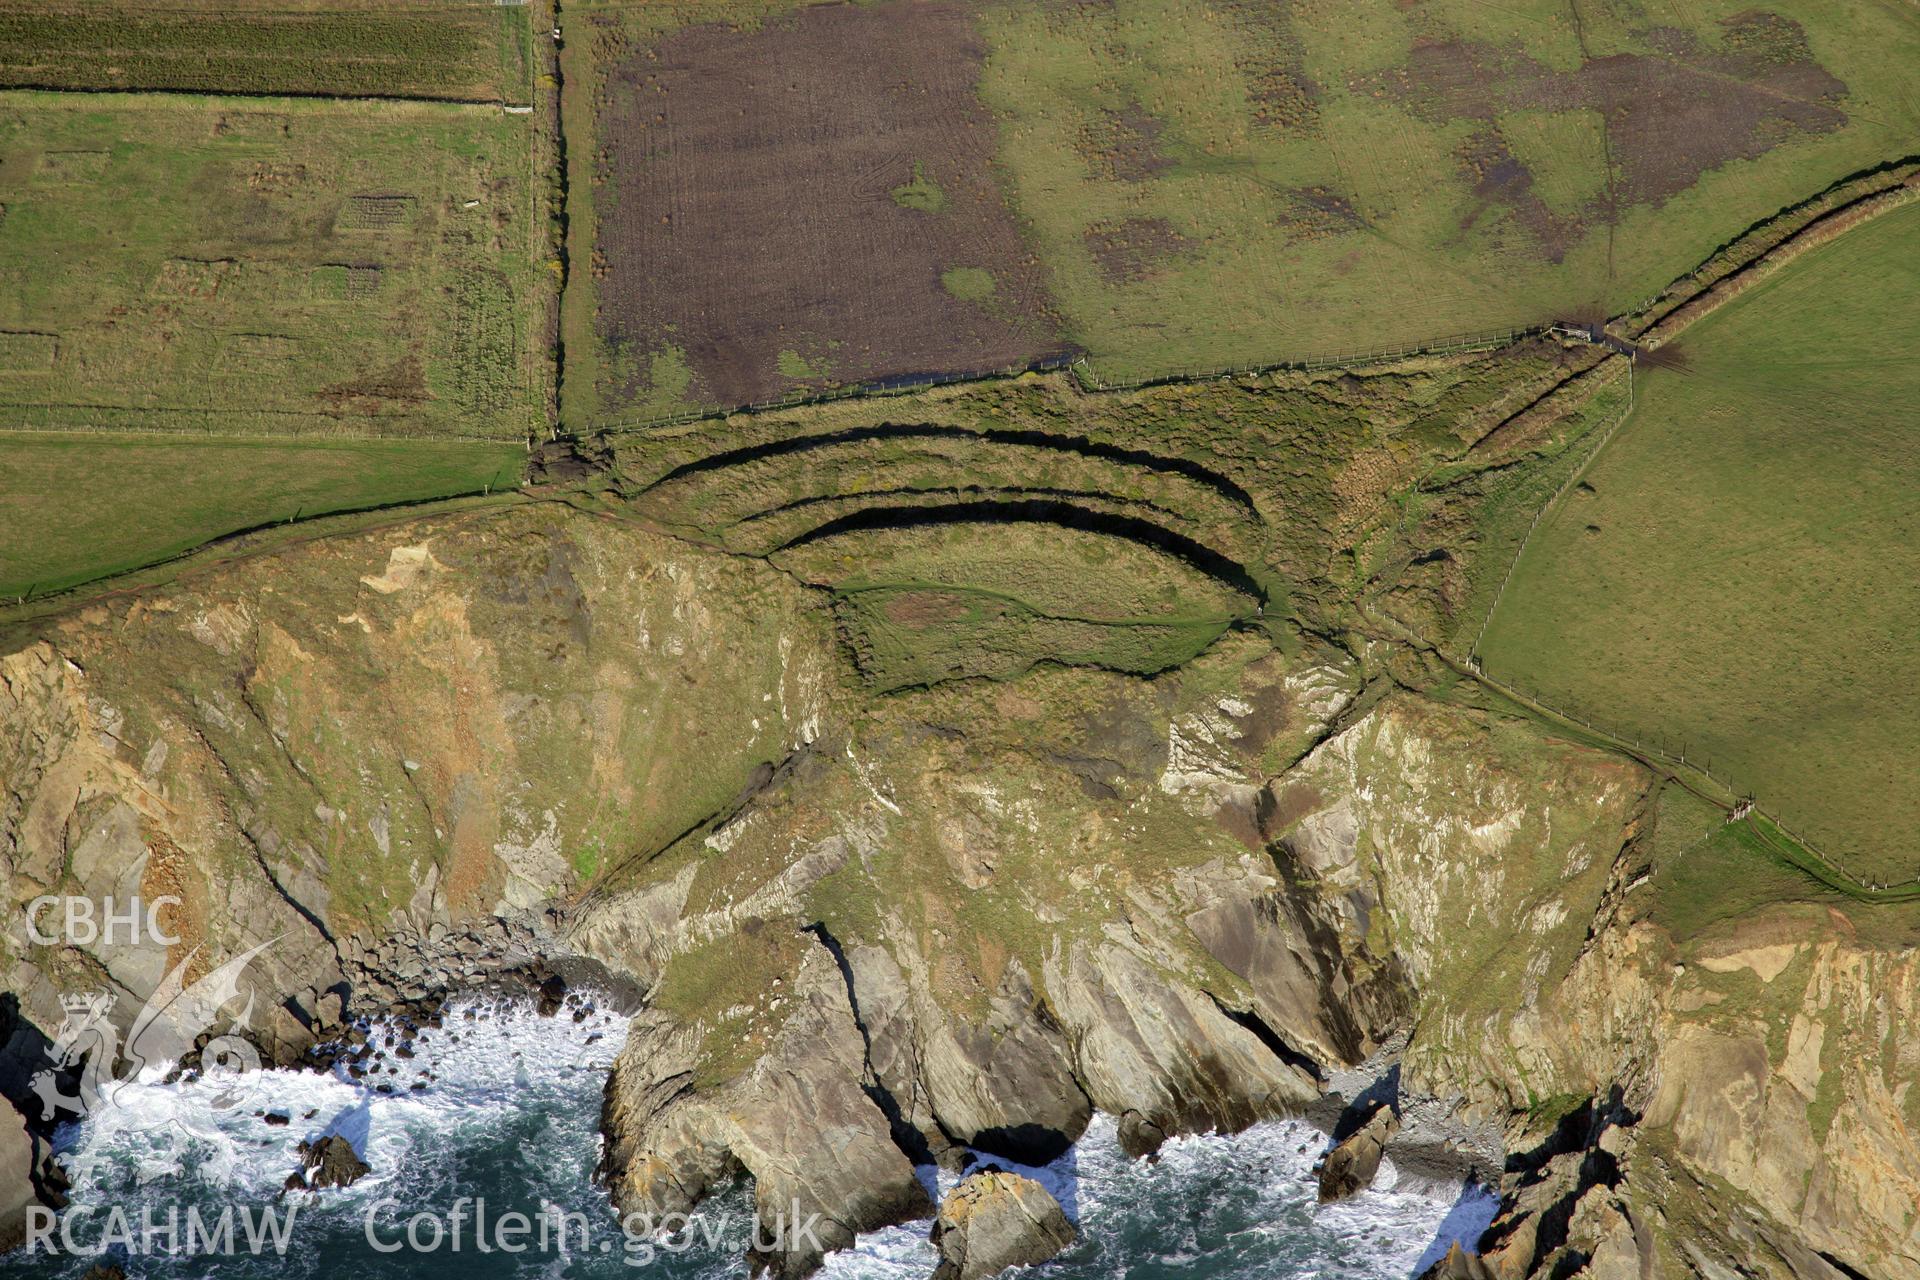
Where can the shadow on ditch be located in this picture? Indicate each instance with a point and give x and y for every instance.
(1080, 445)
(1040, 511)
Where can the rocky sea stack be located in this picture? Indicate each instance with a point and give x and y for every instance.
(330, 1162)
(993, 1221)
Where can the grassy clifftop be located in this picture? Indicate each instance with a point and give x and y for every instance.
(1727, 578)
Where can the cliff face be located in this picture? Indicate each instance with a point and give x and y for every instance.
(968, 915)
(379, 735)
(1688, 1087)
(1194, 943)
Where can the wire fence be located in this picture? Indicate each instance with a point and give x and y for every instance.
(1456, 344)
(1647, 747)
(1083, 371)
(1657, 747)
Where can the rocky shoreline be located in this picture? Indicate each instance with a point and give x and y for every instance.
(824, 1085)
(857, 936)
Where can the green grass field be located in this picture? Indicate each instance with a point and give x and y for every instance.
(1212, 183)
(920, 605)
(76, 507)
(469, 50)
(1735, 574)
(266, 264)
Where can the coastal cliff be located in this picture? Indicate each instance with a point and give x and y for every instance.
(874, 934)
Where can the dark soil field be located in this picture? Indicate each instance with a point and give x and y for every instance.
(807, 203)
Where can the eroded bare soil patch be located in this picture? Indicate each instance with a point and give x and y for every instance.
(1669, 116)
(1131, 250)
(1125, 145)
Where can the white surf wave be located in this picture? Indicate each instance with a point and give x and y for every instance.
(509, 1108)
(1245, 1205)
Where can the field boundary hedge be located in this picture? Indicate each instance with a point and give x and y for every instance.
(1083, 373)
(1455, 344)
(1780, 238)
(903, 384)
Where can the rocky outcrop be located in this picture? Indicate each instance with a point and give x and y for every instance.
(1164, 1057)
(1707, 1099)
(1350, 1166)
(795, 1117)
(365, 764)
(993, 1221)
(1458, 1264)
(965, 917)
(16, 1177)
(988, 1002)
(331, 1162)
(89, 817)
(1329, 999)
(1005, 1085)
(1410, 861)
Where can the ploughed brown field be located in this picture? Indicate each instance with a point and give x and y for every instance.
(809, 202)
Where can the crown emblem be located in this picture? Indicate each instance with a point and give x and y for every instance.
(90, 1002)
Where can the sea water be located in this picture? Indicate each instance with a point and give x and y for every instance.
(509, 1114)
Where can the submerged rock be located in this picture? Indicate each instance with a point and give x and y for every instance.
(996, 1220)
(1350, 1167)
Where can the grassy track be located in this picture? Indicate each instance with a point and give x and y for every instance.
(1735, 575)
(77, 507)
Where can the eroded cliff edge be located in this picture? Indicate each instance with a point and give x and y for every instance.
(871, 932)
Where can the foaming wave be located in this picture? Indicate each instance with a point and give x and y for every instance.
(1245, 1205)
(496, 1101)
(508, 1109)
